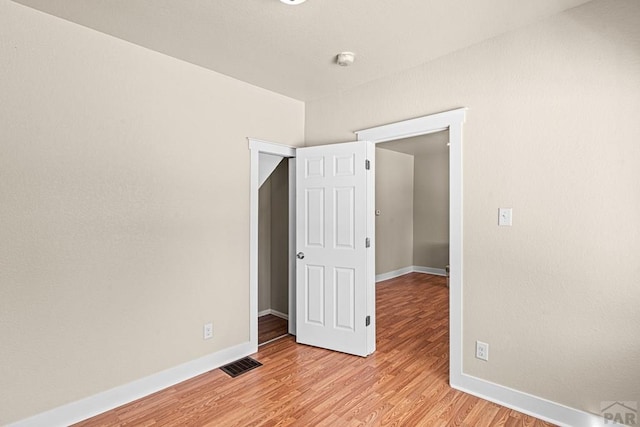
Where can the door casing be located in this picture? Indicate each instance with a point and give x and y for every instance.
(258, 146)
(452, 121)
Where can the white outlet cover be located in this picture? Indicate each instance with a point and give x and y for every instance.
(482, 350)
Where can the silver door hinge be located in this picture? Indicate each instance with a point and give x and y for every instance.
(367, 243)
(367, 321)
(367, 164)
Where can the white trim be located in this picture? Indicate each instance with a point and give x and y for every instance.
(371, 252)
(257, 146)
(271, 148)
(456, 278)
(538, 407)
(413, 127)
(430, 270)
(273, 313)
(393, 274)
(410, 269)
(273, 339)
(292, 246)
(280, 314)
(91, 406)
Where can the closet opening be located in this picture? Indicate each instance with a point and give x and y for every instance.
(273, 251)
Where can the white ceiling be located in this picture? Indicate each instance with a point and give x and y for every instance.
(291, 49)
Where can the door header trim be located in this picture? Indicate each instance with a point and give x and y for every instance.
(413, 127)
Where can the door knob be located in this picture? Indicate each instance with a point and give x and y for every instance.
(300, 255)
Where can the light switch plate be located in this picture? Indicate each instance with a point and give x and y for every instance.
(505, 216)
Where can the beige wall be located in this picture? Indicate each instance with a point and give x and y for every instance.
(552, 132)
(124, 204)
(430, 216)
(280, 238)
(394, 199)
(431, 208)
(264, 246)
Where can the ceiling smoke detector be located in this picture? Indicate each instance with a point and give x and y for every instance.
(292, 2)
(345, 59)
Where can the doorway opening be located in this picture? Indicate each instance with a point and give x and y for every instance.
(452, 121)
(412, 206)
(273, 252)
(265, 158)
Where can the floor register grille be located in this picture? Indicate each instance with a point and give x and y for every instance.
(241, 366)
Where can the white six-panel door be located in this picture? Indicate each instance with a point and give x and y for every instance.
(335, 248)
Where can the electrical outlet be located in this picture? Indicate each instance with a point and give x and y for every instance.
(482, 351)
(207, 331)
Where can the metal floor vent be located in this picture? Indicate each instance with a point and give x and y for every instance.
(241, 366)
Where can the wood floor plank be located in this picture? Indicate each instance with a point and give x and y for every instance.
(404, 383)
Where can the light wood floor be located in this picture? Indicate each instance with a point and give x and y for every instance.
(271, 327)
(404, 383)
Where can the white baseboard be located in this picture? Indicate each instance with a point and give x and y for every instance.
(538, 407)
(273, 312)
(279, 314)
(394, 274)
(74, 412)
(410, 269)
(430, 270)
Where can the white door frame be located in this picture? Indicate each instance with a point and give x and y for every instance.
(258, 146)
(452, 121)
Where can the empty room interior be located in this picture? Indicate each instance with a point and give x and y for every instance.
(174, 176)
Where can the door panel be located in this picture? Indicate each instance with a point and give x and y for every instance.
(315, 294)
(345, 310)
(314, 216)
(344, 237)
(336, 268)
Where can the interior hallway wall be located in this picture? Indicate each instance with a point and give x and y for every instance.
(394, 199)
(431, 204)
(430, 217)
